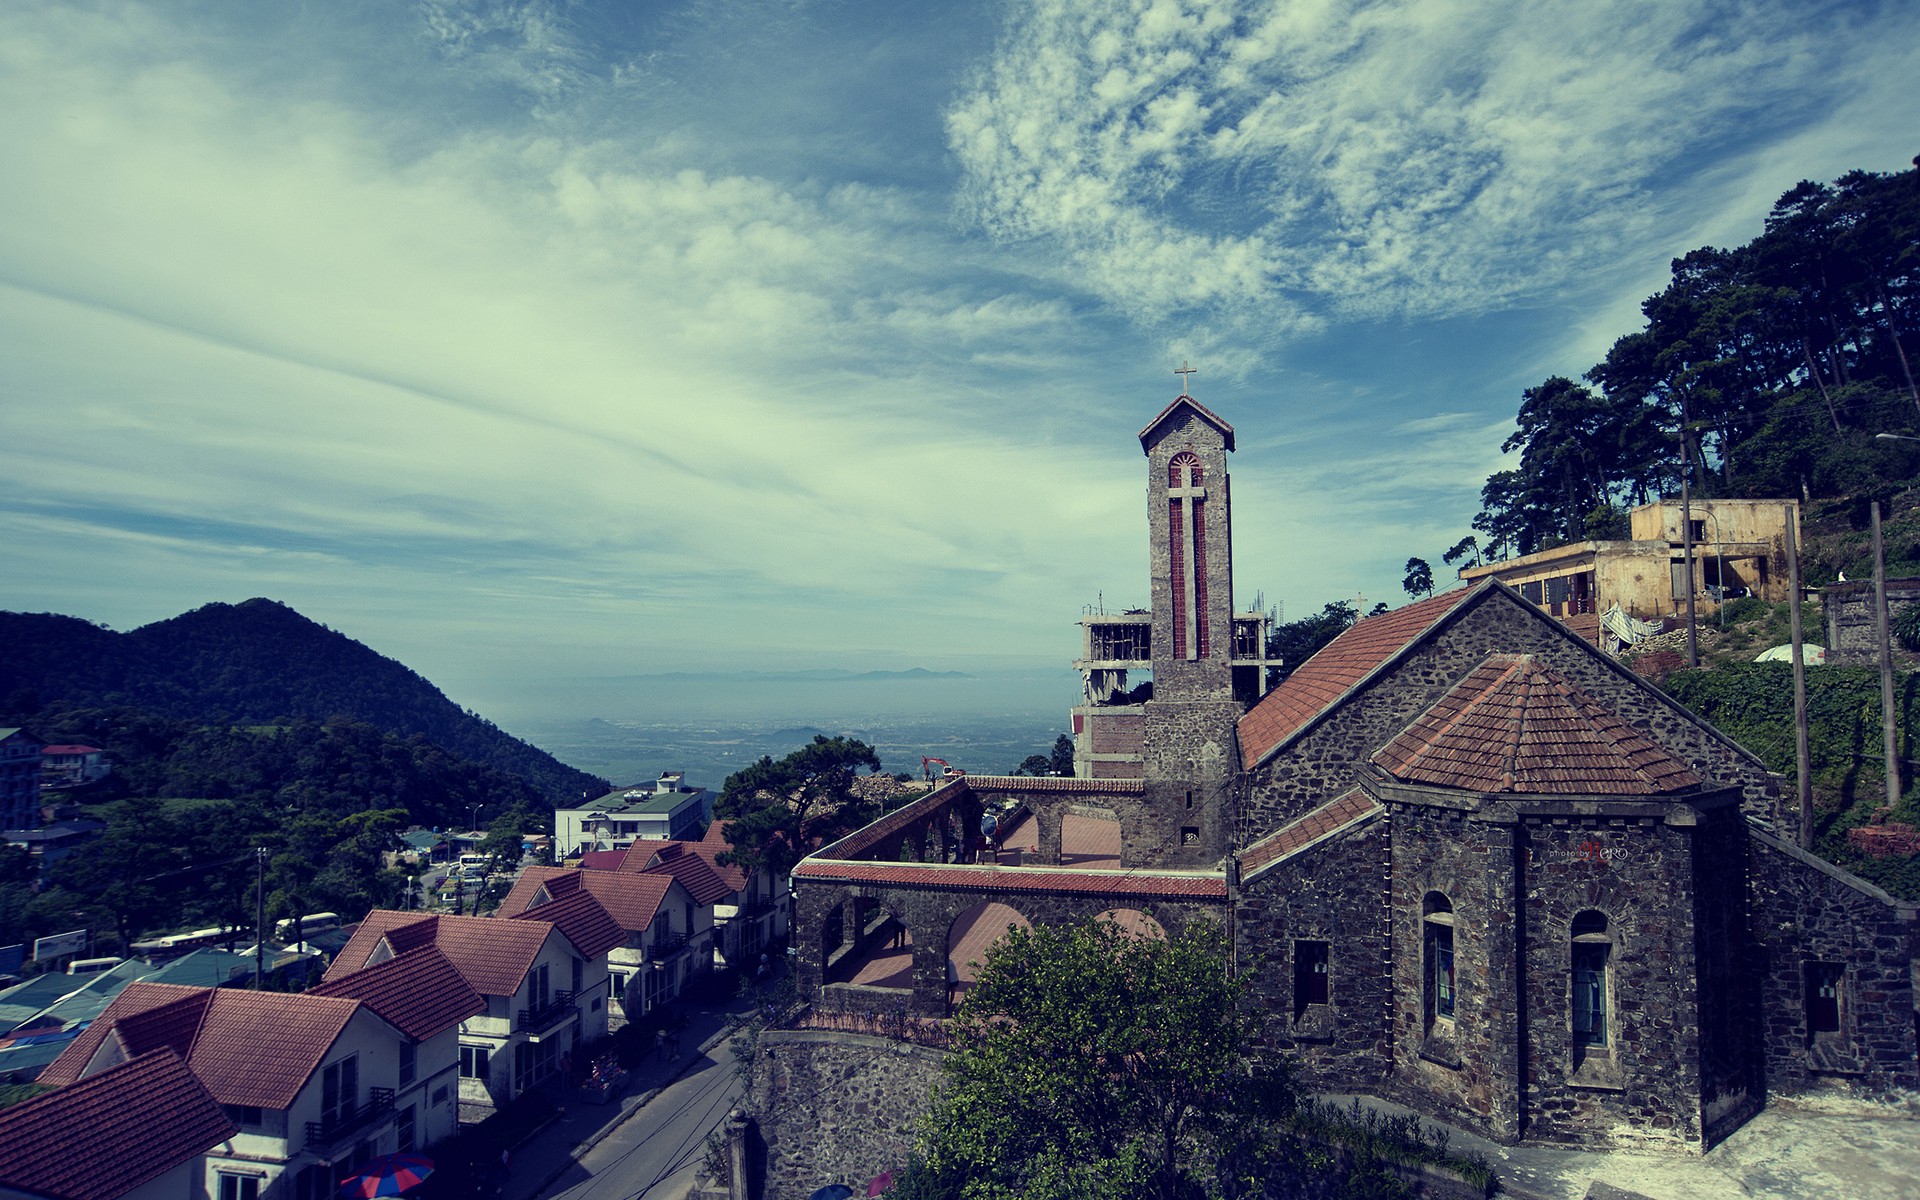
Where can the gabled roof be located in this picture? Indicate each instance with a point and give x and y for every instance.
(108, 1134)
(254, 1048)
(631, 901)
(1199, 410)
(1515, 724)
(420, 993)
(492, 955)
(696, 872)
(602, 860)
(581, 919)
(1341, 665)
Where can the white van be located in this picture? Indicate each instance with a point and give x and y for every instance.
(92, 966)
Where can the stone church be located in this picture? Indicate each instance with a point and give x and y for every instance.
(1465, 860)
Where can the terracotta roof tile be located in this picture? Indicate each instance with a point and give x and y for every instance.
(694, 872)
(1515, 724)
(1043, 784)
(108, 1134)
(402, 931)
(134, 999)
(603, 860)
(582, 920)
(254, 1048)
(420, 993)
(260, 1048)
(631, 900)
(1132, 882)
(1340, 665)
(491, 955)
(1351, 807)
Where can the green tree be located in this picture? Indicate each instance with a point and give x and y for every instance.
(1092, 1062)
(777, 811)
(1419, 578)
(1033, 764)
(1294, 642)
(1061, 762)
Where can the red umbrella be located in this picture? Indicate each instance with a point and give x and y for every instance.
(387, 1176)
(881, 1183)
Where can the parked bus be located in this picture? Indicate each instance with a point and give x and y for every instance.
(306, 926)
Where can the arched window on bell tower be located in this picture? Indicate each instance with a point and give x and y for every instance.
(1187, 546)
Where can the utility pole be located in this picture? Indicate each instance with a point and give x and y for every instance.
(1886, 662)
(259, 918)
(1803, 771)
(1686, 544)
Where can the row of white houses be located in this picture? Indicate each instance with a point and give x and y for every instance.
(421, 1018)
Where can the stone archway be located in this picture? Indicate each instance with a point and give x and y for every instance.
(968, 939)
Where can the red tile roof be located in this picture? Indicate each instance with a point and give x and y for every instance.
(582, 920)
(1350, 808)
(631, 900)
(1200, 410)
(401, 931)
(1341, 665)
(699, 876)
(108, 1134)
(603, 860)
(1132, 882)
(1515, 724)
(256, 1048)
(420, 993)
(492, 955)
(134, 999)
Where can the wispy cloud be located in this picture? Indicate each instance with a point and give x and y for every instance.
(1283, 162)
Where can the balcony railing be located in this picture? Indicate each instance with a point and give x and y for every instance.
(323, 1135)
(753, 906)
(667, 947)
(538, 1018)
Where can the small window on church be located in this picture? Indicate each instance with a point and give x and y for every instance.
(1437, 927)
(1824, 980)
(1592, 953)
(1189, 835)
(1189, 800)
(1309, 975)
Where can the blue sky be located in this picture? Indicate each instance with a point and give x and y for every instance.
(529, 342)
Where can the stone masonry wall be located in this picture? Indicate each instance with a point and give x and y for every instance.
(1644, 1087)
(1805, 911)
(837, 1107)
(1335, 892)
(1464, 1069)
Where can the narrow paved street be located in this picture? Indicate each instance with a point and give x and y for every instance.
(654, 1154)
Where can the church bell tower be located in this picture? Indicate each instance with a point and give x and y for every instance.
(1190, 753)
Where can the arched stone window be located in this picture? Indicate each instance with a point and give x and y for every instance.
(1437, 959)
(1592, 953)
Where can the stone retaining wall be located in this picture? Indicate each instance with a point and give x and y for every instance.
(837, 1107)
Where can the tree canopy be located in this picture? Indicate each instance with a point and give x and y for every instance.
(777, 811)
(1090, 1061)
(1764, 370)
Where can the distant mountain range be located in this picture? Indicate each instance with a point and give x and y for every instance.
(254, 663)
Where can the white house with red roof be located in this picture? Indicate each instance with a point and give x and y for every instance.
(139, 1130)
(666, 932)
(307, 1082)
(542, 977)
(68, 765)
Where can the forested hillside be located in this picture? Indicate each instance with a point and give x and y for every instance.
(242, 726)
(1765, 370)
(254, 663)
